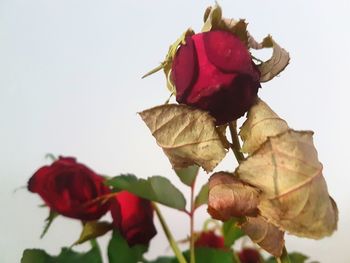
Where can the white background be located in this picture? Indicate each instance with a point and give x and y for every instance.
(70, 84)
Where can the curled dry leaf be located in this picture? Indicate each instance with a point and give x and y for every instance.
(167, 63)
(278, 61)
(229, 197)
(188, 136)
(213, 20)
(294, 193)
(266, 235)
(261, 123)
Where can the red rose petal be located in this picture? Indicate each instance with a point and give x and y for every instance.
(210, 239)
(249, 255)
(133, 217)
(227, 52)
(184, 68)
(70, 189)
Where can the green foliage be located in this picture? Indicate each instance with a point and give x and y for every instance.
(48, 222)
(156, 188)
(202, 197)
(203, 255)
(211, 255)
(163, 260)
(294, 257)
(231, 232)
(188, 175)
(120, 252)
(66, 256)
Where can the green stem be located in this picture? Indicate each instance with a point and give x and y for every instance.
(94, 243)
(192, 248)
(180, 257)
(284, 257)
(235, 145)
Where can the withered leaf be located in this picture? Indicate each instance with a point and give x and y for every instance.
(213, 20)
(278, 61)
(294, 192)
(93, 229)
(167, 63)
(261, 123)
(229, 197)
(188, 136)
(266, 235)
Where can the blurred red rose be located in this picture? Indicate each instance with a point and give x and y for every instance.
(214, 72)
(210, 239)
(68, 188)
(249, 255)
(133, 217)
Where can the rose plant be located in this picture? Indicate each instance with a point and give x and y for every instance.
(277, 187)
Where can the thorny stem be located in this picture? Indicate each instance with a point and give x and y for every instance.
(180, 257)
(236, 148)
(192, 254)
(235, 145)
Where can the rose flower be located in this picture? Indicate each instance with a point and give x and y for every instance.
(214, 71)
(210, 239)
(133, 217)
(70, 189)
(249, 255)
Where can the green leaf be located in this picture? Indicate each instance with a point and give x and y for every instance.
(231, 232)
(188, 175)
(202, 197)
(48, 222)
(120, 252)
(211, 255)
(294, 257)
(93, 229)
(155, 188)
(66, 256)
(163, 260)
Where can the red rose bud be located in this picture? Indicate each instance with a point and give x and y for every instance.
(214, 72)
(210, 239)
(133, 217)
(70, 188)
(249, 255)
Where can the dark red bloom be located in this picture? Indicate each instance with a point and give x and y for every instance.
(249, 255)
(210, 239)
(133, 217)
(214, 71)
(68, 188)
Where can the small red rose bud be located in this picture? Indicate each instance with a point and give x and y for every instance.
(69, 188)
(133, 217)
(210, 239)
(249, 255)
(214, 72)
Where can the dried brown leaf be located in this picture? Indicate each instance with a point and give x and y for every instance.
(278, 61)
(188, 136)
(229, 197)
(167, 63)
(294, 193)
(265, 234)
(261, 123)
(213, 20)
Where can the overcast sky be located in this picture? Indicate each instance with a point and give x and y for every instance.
(70, 85)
